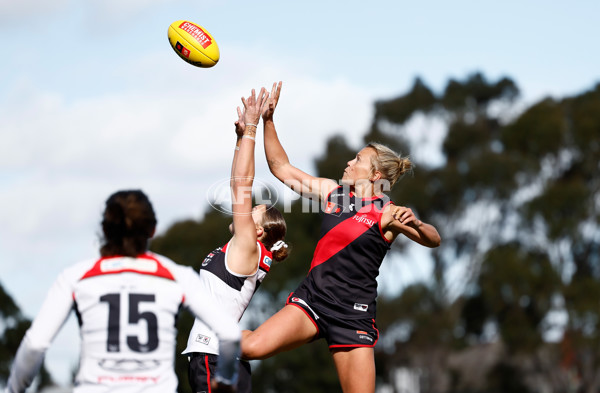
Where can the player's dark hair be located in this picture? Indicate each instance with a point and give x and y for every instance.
(128, 223)
(274, 228)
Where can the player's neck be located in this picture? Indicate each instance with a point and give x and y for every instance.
(364, 190)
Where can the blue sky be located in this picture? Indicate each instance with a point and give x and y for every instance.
(93, 99)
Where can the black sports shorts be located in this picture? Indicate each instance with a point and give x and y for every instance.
(339, 332)
(202, 367)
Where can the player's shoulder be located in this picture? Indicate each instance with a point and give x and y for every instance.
(165, 261)
(148, 263)
(178, 271)
(78, 269)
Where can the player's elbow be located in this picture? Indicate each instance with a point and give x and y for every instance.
(277, 166)
(435, 242)
(251, 346)
(35, 341)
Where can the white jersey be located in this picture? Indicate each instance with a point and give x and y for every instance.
(230, 291)
(126, 308)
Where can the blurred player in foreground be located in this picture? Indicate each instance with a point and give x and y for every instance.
(126, 304)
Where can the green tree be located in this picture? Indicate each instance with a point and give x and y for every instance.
(516, 203)
(14, 325)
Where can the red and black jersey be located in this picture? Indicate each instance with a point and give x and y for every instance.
(345, 265)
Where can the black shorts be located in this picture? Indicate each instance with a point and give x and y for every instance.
(202, 367)
(339, 332)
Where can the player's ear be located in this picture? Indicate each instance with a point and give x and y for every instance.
(152, 233)
(259, 231)
(376, 176)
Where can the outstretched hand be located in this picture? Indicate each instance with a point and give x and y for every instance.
(253, 106)
(240, 126)
(269, 109)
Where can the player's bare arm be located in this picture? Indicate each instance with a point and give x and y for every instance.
(279, 164)
(243, 252)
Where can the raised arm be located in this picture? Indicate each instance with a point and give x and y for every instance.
(306, 185)
(242, 254)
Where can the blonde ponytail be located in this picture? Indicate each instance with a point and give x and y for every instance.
(390, 164)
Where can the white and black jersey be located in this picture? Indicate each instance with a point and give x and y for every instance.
(127, 309)
(230, 291)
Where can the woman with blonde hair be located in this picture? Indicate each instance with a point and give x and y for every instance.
(336, 301)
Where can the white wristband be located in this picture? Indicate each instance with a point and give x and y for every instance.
(248, 137)
(252, 125)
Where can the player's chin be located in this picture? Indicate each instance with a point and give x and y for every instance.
(347, 181)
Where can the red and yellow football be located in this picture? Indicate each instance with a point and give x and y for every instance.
(193, 43)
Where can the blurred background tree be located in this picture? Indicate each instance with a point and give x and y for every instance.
(13, 326)
(516, 202)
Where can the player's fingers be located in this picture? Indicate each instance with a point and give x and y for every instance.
(264, 96)
(278, 91)
(408, 216)
(265, 102)
(397, 212)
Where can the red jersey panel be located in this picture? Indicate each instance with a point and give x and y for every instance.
(342, 277)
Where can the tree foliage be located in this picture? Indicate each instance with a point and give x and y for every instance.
(14, 325)
(517, 204)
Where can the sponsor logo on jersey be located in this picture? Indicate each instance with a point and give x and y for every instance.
(140, 265)
(128, 365)
(208, 259)
(362, 218)
(360, 307)
(107, 379)
(267, 261)
(333, 208)
(202, 339)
